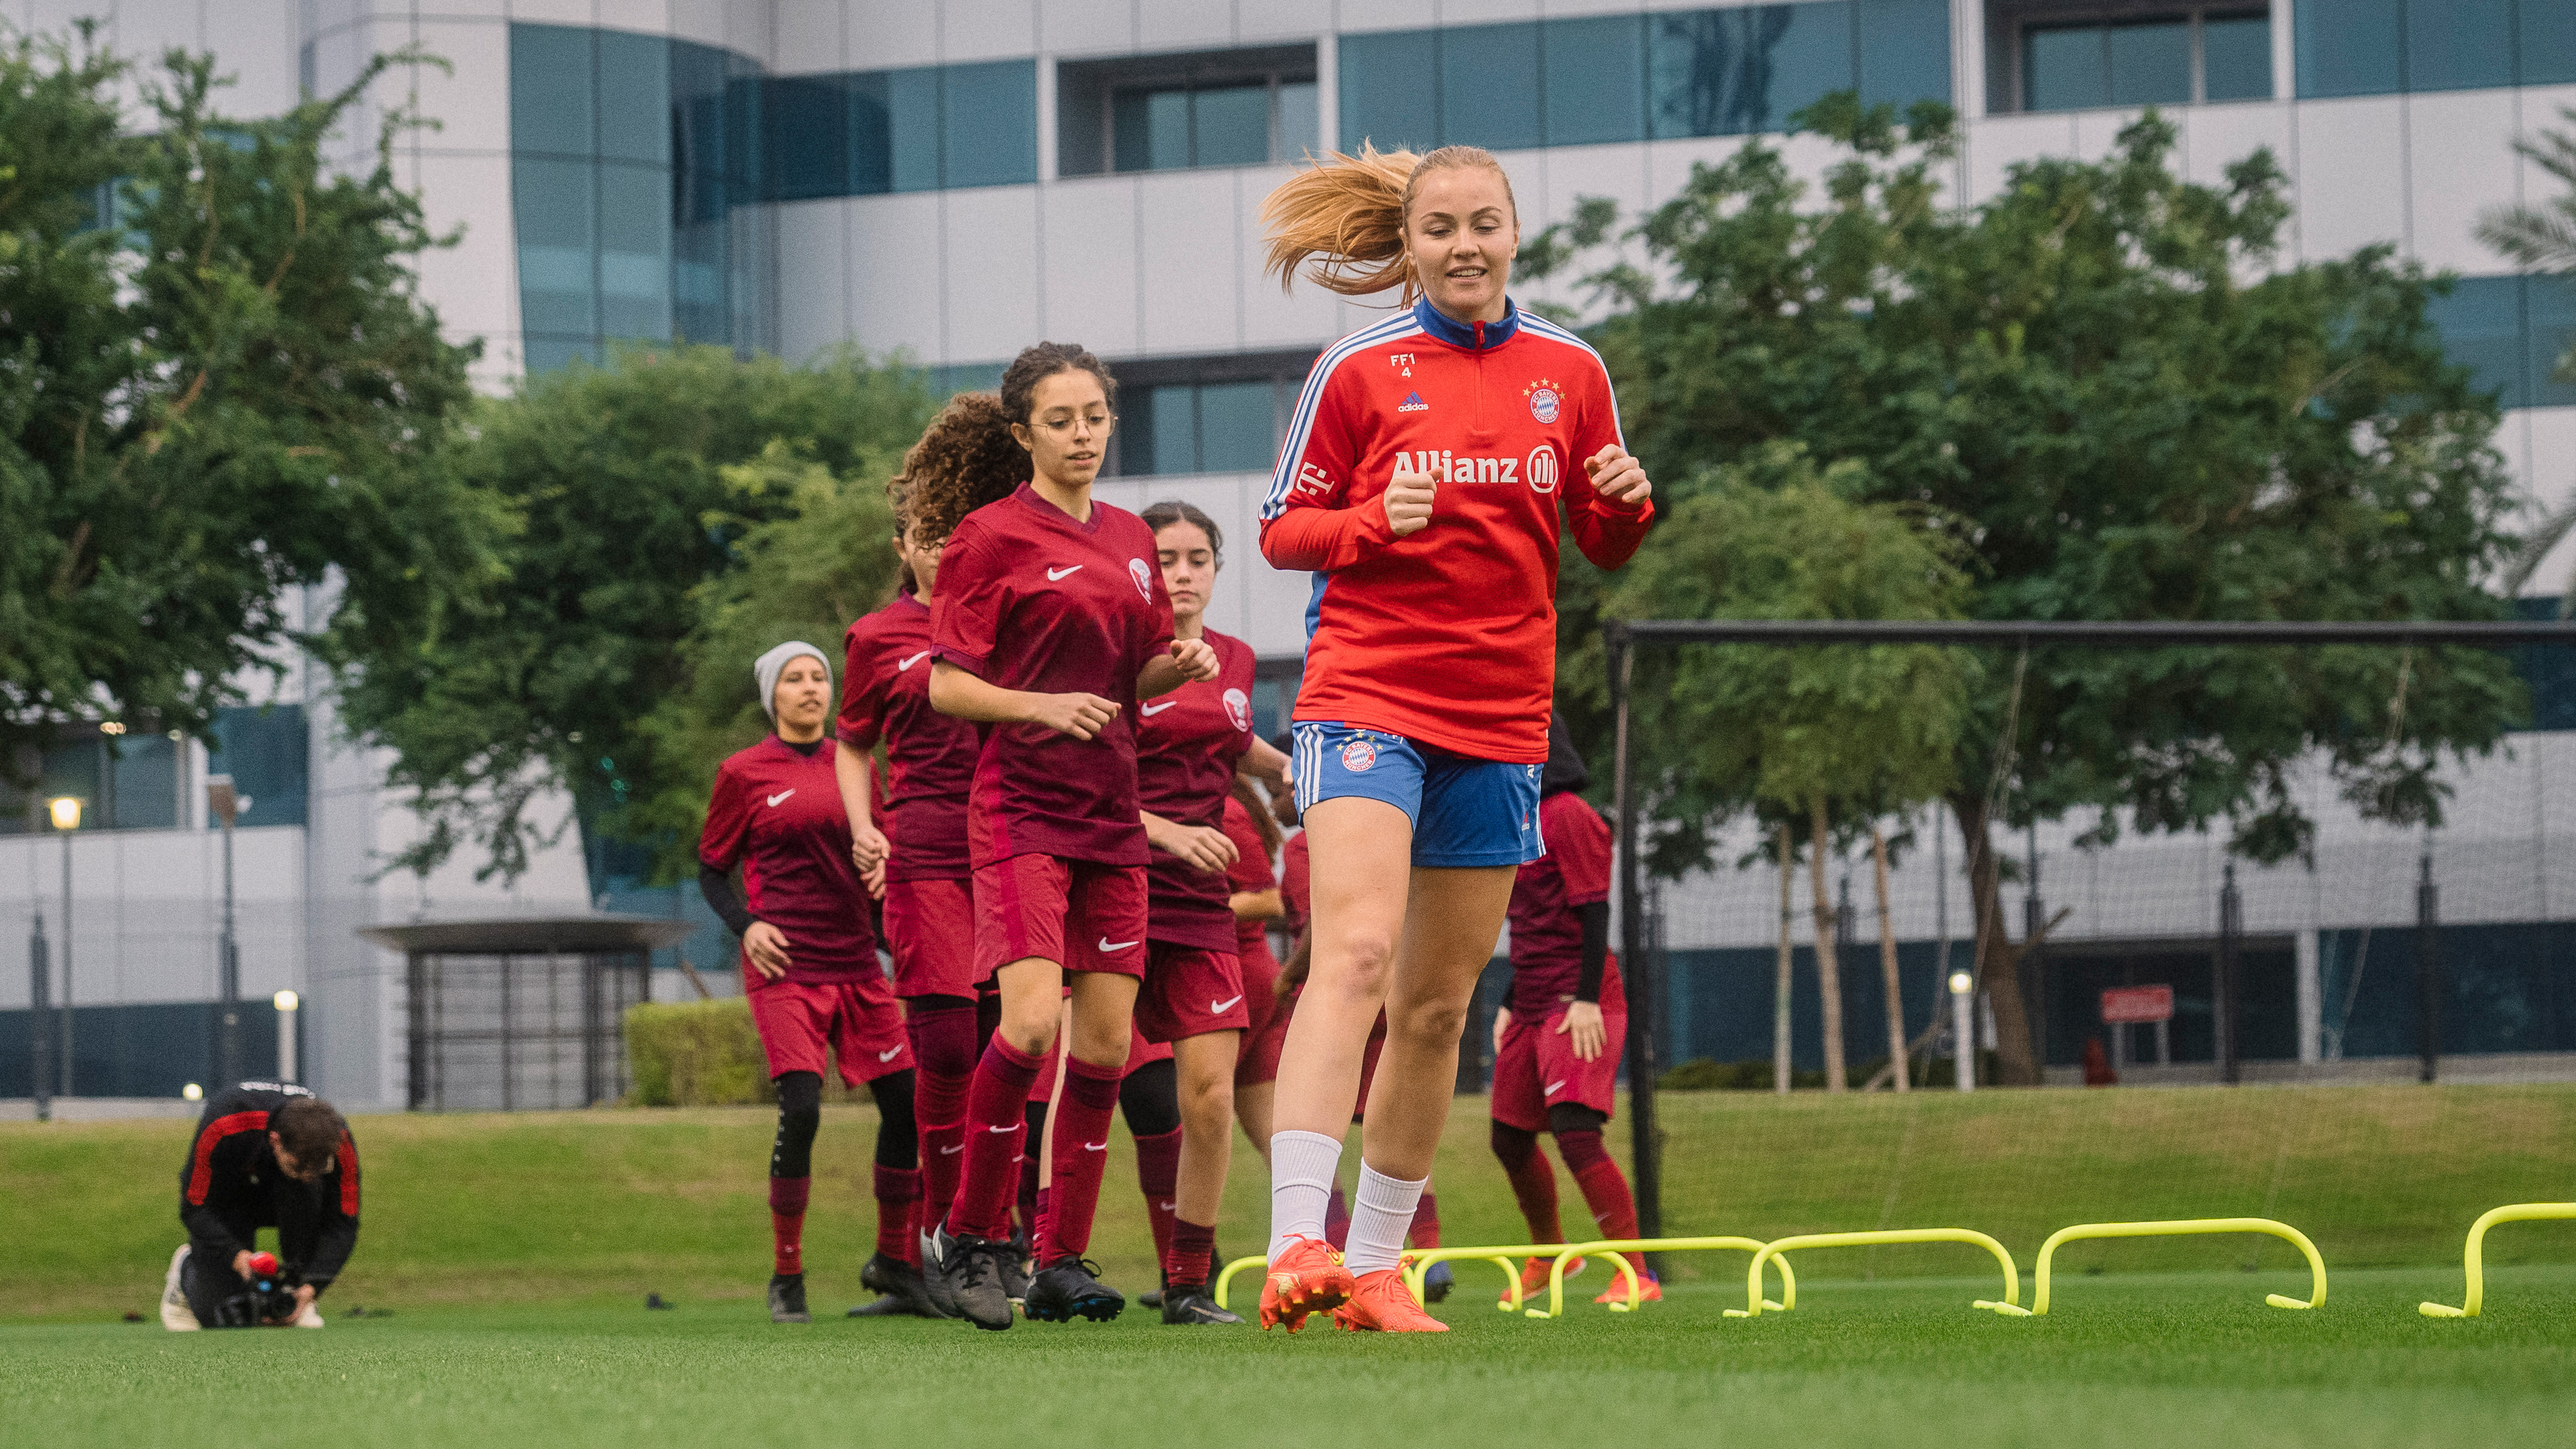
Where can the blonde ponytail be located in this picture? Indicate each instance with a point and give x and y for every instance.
(1348, 214)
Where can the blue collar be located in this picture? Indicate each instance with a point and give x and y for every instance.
(1464, 334)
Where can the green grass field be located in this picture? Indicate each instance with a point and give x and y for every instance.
(514, 1254)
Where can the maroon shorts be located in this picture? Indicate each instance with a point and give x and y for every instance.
(1190, 992)
(860, 1021)
(1536, 1068)
(1139, 1052)
(1080, 914)
(931, 926)
(1258, 1060)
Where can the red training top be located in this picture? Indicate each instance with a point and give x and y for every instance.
(885, 693)
(778, 813)
(1547, 935)
(1032, 599)
(1448, 635)
(1187, 743)
(1251, 872)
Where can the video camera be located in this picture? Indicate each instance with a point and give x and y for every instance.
(268, 1298)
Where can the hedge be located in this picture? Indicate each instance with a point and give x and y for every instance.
(696, 1054)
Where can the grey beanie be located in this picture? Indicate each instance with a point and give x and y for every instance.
(769, 666)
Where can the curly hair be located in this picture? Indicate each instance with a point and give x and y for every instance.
(1160, 516)
(966, 458)
(1349, 213)
(1036, 364)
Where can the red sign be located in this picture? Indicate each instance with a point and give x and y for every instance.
(2123, 1005)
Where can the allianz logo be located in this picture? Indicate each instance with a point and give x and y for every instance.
(1539, 469)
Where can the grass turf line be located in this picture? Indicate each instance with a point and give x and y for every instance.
(2149, 1361)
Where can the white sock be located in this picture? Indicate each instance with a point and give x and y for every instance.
(1302, 1165)
(1380, 1216)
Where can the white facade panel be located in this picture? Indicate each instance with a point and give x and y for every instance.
(992, 276)
(1489, 12)
(2217, 137)
(1090, 264)
(471, 101)
(474, 284)
(702, 21)
(2459, 160)
(884, 34)
(644, 15)
(813, 277)
(1260, 22)
(1188, 253)
(2097, 133)
(1169, 25)
(892, 302)
(809, 39)
(1997, 145)
(973, 30)
(1357, 17)
(2351, 175)
(1087, 27)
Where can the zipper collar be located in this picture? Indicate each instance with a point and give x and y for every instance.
(1468, 336)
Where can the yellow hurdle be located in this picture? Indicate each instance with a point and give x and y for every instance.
(1615, 1246)
(2472, 1260)
(2184, 1227)
(1237, 1266)
(1754, 1304)
(1418, 1261)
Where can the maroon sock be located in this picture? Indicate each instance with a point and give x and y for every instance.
(787, 1197)
(1337, 1219)
(943, 1049)
(1081, 1152)
(898, 1188)
(993, 1127)
(1605, 1187)
(1158, 1172)
(1533, 1180)
(1032, 1200)
(1189, 1259)
(1424, 1231)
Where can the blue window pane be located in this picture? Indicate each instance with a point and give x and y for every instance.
(1688, 61)
(1172, 429)
(807, 126)
(1134, 435)
(2348, 47)
(2481, 327)
(2548, 31)
(2064, 70)
(146, 779)
(1390, 90)
(1595, 80)
(1489, 86)
(871, 133)
(634, 97)
(2458, 44)
(1236, 431)
(2550, 305)
(1232, 126)
(912, 128)
(1301, 120)
(550, 89)
(1131, 131)
(1795, 56)
(552, 207)
(1904, 51)
(2151, 64)
(553, 354)
(2236, 57)
(635, 252)
(1167, 130)
(263, 749)
(990, 123)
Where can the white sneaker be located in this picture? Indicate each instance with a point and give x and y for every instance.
(311, 1317)
(176, 1315)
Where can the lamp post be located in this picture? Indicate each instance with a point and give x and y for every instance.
(66, 810)
(286, 1002)
(223, 804)
(40, 1042)
(1963, 1027)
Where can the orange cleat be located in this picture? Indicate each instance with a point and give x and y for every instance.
(1306, 1277)
(1534, 1281)
(1382, 1304)
(1616, 1295)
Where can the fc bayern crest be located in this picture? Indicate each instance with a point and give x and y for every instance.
(1143, 576)
(1238, 709)
(1544, 402)
(1358, 755)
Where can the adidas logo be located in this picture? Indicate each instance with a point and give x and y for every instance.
(1413, 403)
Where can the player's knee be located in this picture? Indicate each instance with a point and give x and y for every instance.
(1565, 1117)
(1367, 958)
(1428, 1024)
(1207, 1096)
(1513, 1145)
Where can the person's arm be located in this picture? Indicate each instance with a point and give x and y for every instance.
(1189, 659)
(214, 1152)
(957, 692)
(763, 942)
(1312, 520)
(1264, 761)
(1596, 949)
(855, 773)
(338, 1236)
(1198, 847)
(1608, 504)
(1257, 905)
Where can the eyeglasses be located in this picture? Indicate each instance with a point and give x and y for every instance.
(1063, 427)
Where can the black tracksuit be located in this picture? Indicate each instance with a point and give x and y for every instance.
(230, 1187)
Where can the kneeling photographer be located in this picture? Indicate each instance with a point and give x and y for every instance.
(265, 1155)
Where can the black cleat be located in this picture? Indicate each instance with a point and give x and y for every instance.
(787, 1298)
(903, 1293)
(973, 1268)
(1070, 1288)
(1015, 1266)
(1192, 1304)
(1150, 1298)
(933, 1282)
(1437, 1281)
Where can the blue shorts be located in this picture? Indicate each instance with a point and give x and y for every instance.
(1464, 812)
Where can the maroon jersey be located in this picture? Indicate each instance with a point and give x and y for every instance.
(778, 813)
(1292, 883)
(1547, 936)
(1032, 599)
(1186, 744)
(1251, 872)
(885, 694)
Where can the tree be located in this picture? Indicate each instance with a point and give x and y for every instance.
(615, 481)
(2541, 238)
(1798, 733)
(220, 383)
(2132, 419)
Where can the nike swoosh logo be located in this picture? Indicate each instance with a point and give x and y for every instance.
(1222, 1005)
(901, 665)
(1055, 574)
(952, 1151)
(1154, 709)
(1553, 1088)
(1095, 1147)
(781, 795)
(890, 1054)
(1169, 1207)
(1012, 1128)
(1107, 945)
